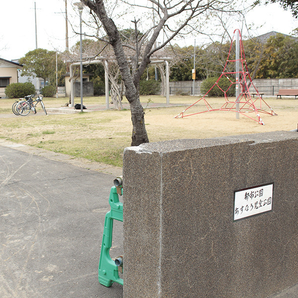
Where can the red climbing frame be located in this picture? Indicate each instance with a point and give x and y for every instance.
(247, 104)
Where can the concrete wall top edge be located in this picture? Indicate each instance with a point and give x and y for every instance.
(187, 144)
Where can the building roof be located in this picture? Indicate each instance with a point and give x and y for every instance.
(11, 62)
(264, 37)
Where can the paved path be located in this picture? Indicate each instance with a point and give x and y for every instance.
(51, 224)
(92, 108)
(126, 106)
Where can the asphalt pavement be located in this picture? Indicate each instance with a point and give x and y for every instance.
(51, 223)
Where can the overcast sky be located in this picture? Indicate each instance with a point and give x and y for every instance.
(17, 23)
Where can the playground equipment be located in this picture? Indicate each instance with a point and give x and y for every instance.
(248, 99)
(109, 269)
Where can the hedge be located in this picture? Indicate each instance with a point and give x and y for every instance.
(48, 91)
(150, 87)
(17, 90)
(224, 83)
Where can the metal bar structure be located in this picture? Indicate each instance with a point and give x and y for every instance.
(167, 83)
(237, 74)
(81, 61)
(243, 104)
(194, 69)
(104, 61)
(106, 67)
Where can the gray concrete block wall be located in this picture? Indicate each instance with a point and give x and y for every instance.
(180, 239)
(88, 89)
(270, 87)
(185, 88)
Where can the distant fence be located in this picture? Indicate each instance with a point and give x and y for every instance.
(88, 89)
(271, 90)
(181, 91)
(269, 87)
(185, 88)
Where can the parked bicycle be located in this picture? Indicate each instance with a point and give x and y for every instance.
(27, 104)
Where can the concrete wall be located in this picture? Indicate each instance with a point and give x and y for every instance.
(61, 92)
(272, 86)
(184, 88)
(88, 89)
(180, 236)
(76, 79)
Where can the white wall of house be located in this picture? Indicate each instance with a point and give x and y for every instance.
(8, 74)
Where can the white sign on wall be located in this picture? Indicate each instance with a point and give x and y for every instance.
(252, 201)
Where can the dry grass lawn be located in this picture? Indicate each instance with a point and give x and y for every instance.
(102, 135)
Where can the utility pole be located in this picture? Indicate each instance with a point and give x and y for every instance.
(80, 7)
(81, 65)
(56, 75)
(36, 47)
(66, 28)
(155, 43)
(137, 43)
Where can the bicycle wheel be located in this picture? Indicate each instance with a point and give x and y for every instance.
(14, 108)
(23, 108)
(19, 106)
(33, 108)
(43, 107)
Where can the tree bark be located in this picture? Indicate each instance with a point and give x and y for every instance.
(139, 133)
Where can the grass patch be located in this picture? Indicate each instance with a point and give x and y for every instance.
(108, 151)
(33, 135)
(102, 135)
(5, 111)
(48, 132)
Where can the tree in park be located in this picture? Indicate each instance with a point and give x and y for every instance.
(42, 64)
(166, 19)
(279, 59)
(292, 4)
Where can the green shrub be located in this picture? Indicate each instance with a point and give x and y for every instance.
(224, 83)
(98, 86)
(17, 90)
(48, 91)
(150, 87)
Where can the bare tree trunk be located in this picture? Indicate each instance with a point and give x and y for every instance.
(139, 133)
(188, 10)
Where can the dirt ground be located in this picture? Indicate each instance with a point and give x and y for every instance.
(223, 123)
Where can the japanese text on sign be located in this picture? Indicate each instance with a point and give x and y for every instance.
(252, 201)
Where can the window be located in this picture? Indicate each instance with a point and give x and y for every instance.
(4, 81)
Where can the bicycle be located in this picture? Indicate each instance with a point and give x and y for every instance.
(25, 106)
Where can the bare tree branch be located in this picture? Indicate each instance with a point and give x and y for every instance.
(173, 18)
